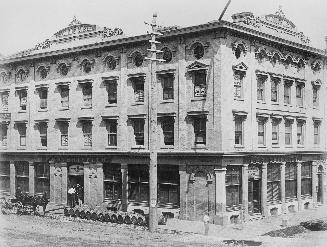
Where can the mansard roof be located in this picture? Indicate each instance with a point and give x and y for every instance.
(274, 24)
(74, 35)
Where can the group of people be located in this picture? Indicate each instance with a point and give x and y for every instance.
(75, 195)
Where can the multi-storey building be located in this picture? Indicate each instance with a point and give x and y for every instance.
(241, 118)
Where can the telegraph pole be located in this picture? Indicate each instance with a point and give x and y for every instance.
(153, 133)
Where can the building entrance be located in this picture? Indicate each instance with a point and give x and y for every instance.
(254, 190)
(76, 180)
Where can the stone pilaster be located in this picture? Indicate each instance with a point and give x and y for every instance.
(264, 208)
(314, 183)
(124, 184)
(12, 179)
(182, 192)
(282, 186)
(31, 179)
(100, 193)
(298, 185)
(58, 183)
(324, 185)
(220, 218)
(52, 187)
(245, 191)
(93, 184)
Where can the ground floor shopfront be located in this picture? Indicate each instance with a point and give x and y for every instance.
(229, 188)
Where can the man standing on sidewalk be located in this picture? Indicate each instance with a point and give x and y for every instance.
(206, 220)
(71, 197)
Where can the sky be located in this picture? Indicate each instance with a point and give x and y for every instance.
(24, 23)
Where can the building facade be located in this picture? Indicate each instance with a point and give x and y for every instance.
(241, 118)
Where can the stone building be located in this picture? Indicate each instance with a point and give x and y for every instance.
(241, 118)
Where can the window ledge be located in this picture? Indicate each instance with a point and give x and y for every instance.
(63, 108)
(63, 148)
(168, 147)
(165, 101)
(275, 146)
(110, 105)
(287, 105)
(262, 146)
(274, 103)
(138, 147)
(316, 107)
(3, 148)
(138, 103)
(288, 146)
(86, 107)
(300, 146)
(111, 147)
(261, 102)
(22, 111)
(238, 146)
(239, 99)
(199, 146)
(198, 98)
(86, 148)
(21, 148)
(43, 110)
(42, 148)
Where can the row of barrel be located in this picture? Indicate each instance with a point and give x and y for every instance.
(105, 215)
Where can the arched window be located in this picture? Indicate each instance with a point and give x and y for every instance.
(111, 62)
(198, 50)
(21, 75)
(138, 59)
(86, 66)
(63, 69)
(167, 54)
(43, 72)
(3, 77)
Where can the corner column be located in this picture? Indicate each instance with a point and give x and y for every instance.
(182, 191)
(298, 185)
(264, 189)
(245, 191)
(124, 184)
(314, 183)
(282, 185)
(31, 178)
(220, 218)
(12, 179)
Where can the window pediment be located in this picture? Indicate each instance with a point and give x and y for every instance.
(240, 67)
(197, 66)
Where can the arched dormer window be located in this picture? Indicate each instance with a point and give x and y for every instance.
(261, 54)
(21, 75)
(63, 69)
(276, 58)
(300, 64)
(288, 61)
(111, 62)
(3, 77)
(86, 66)
(198, 50)
(42, 72)
(316, 66)
(239, 48)
(138, 59)
(167, 55)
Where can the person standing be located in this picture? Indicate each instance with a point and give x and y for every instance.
(71, 197)
(206, 220)
(79, 195)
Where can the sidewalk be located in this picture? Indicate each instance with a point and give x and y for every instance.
(249, 230)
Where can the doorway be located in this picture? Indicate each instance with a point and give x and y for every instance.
(254, 196)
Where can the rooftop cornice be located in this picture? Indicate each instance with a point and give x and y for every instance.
(210, 26)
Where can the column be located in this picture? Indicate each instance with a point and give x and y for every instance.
(31, 179)
(64, 181)
(12, 179)
(182, 191)
(264, 189)
(52, 181)
(220, 218)
(298, 185)
(93, 183)
(99, 182)
(87, 192)
(324, 185)
(245, 191)
(314, 183)
(124, 186)
(282, 186)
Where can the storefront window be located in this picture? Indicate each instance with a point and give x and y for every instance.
(22, 172)
(168, 184)
(273, 182)
(112, 181)
(138, 178)
(306, 179)
(42, 179)
(233, 186)
(4, 176)
(290, 180)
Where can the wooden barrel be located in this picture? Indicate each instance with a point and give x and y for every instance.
(120, 219)
(77, 212)
(72, 212)
(114, 218)
(66, 212)
(127, 220)
(134, 220)
(94, 216)
(88, 215)
(140, 221)
(107, 217)
(101, 217)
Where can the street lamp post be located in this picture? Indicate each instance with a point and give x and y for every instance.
(153, 133)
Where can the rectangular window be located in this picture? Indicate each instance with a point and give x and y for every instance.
(233, 186)
(288, 133)
(138, 89)
(64, 92)
(42, 178)
(273, 182)
(87, 133)
(167, 86)
(200, 130)
(22, 175)
(87, 95)
(22, 134)
(261, 132)
(200, 83)
(43, 128)
(4, 176)
(64, 134)
(43, 93)
(167, 124)
(274, 89)
(168, 185)
(238, 84)
(275, 132)
(300, 133)
(4, 101)
(238, 131)
(316, 132)
(112, 132)
(112, 92)
(112, 181)
(22, 99)
(261, 79)
(138, 179)
(287, 93)
(139, 131)
(299, 95)
(306, 179)
(3, 134)
(290, 180)
(315, 96)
